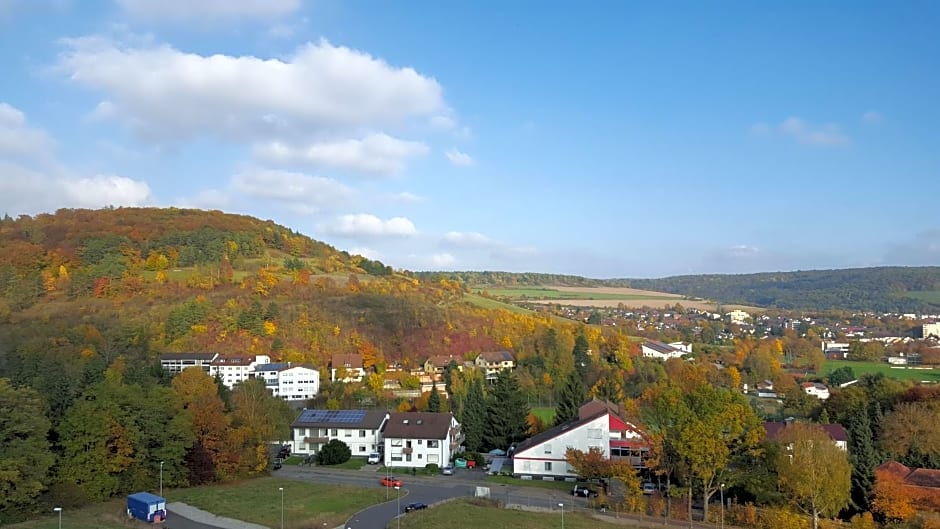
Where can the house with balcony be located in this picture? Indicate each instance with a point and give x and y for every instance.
(598, 425)
(289, 382)
(414, 440)
(492, 362)
(361, 430)
(232, 369)
(435, 365)
(816, 389)
(175, 363)
(348, 367)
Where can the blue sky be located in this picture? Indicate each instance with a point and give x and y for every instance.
(613, 139)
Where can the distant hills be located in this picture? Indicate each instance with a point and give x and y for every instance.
(881, 289)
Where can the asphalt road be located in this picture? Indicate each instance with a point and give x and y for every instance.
(427, 490)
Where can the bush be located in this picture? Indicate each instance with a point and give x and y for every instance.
(334, 453)
(432, 468)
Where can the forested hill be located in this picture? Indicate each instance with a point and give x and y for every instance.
(883, 289)
(494, 279)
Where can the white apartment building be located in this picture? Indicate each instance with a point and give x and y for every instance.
(176, 362)
(738, 317)
(662, 351)
(413, 440)
(236, 368)
(289, 382)
(932, 329)
(361, 430)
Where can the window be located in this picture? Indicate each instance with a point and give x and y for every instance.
(433, 458)
(548, 448)
(333, 432)
(420, 440)
(419, 456)
(548, 466)
(362, 433)
(348, 433)
(433, 443)
(407, 457)
(396, 442)
(362, 448)
(396, 457)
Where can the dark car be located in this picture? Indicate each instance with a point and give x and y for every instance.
(583, 492)
(284, 452)
(277, 464)
(416, 506)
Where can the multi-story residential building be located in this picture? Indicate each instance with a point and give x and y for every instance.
(435, 365)
(349, 366)
(361, 430)
(492, 362)
(931, 329)
(738, 317)
(177, 362)
(775, 430)
(233, 369)
(289, 382)
(598, 425)
(413, 440)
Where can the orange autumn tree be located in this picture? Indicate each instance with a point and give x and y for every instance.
(891, 497)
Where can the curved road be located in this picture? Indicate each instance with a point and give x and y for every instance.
(425, 489)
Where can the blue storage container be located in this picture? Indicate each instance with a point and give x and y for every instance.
(147, 507)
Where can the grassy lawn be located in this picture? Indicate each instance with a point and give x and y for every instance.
(537, 483)
(486, 303)
(473, 514)
(256, 500)
(930, 296)
(546, 414)
(899, 372)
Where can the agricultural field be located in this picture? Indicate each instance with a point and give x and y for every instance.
(601, 297)
(257, 501)
(915, 373)
(481, 514)
(929, 296)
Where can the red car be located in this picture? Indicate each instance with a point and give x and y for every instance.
(390, 482)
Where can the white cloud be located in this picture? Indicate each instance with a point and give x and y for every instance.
(872, 116)
(166, 94)
(376, 153)
(104, 190)
(442, 122)
(459, 158)
(465, 239)
(181, 10)
(28, 191)
(368, 253)
(443, 259)
(17, 138)
(366, 225)
(301, 192)
(824, 135)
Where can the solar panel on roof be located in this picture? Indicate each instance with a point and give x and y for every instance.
(332, 416)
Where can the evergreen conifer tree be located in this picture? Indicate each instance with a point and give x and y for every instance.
(507, 413)
(434, 399)
(473, 415)
(581, 359)
(571, 397)
(863, 456)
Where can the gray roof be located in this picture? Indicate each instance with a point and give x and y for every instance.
(205, 357)
(418, 425)
(281, 366)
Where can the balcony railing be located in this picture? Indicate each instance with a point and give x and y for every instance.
(407, 450)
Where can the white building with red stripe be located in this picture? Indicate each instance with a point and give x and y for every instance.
(598, 425)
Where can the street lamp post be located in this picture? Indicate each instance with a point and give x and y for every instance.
(161, 478)
(59, 510)
(282, 506)
(722, 489)
(562, 505)
(398, 490)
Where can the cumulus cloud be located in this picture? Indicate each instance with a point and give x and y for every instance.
(466, 239)
(816, 135)
(443, 260)
(367, 225)
(368, 253)
(24, 190)
(17, 138)
(376, 153)
(167, 94)
(182, 10)
(459, 158)
(303, 193)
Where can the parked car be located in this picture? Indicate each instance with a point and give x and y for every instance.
(584, 492)
(648, 487)
(374, 458)
(277, 464)
(416, 506)
(390, 482)
(448, 470)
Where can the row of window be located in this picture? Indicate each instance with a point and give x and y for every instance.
(324, 432)
(432, 443)
(432, 458)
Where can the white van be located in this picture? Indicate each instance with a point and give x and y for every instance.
(374, 458)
